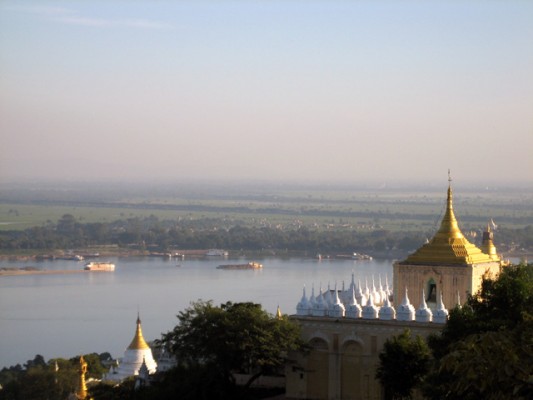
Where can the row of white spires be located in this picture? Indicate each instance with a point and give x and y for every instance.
(365, 303)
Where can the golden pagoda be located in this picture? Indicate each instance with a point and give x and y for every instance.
(449, 246)
(82, 391)
(448, 263)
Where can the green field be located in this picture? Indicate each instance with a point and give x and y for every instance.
(269, 206)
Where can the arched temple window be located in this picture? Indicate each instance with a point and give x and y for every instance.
(431, 291)
(318, 368)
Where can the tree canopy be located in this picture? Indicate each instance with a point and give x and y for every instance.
(404, 362)
(38, 379)
(232, 338)
(486, 348)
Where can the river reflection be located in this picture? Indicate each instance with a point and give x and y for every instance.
(65, 315)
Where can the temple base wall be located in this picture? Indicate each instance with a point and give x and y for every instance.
(344, 357)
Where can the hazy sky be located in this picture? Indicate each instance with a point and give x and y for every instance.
(290, 90)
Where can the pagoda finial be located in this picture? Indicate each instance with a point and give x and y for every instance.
(449, 189)
(138, 341)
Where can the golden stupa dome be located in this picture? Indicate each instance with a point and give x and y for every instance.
(138, 342)
(448, 246)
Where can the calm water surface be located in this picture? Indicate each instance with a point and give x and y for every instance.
(66, 315)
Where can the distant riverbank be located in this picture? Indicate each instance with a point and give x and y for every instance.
(121, 252)
(34, 271)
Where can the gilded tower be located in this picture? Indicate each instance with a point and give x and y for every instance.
(448, 263)
(487, 245)
(82, 387)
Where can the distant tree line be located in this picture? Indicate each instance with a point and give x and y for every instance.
(153, 233)
(165, 235)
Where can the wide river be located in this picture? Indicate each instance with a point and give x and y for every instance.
(64, 315)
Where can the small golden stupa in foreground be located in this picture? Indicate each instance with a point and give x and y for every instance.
(82, 387)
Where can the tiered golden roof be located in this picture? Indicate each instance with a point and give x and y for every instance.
(138, 342)
(448, 246)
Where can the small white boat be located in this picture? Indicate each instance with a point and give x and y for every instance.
(217, 253)
(99, 266)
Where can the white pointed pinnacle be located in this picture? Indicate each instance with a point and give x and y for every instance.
(353, 300)
(440, 303)
(405, 301)
(359, 289)
(423, 304)
(370, 300)
(441, 315)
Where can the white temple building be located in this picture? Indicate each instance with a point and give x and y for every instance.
(136, 355)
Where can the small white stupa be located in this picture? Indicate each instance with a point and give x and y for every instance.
(137, 352)
(441, 315)
(423, 314)
(405, 311)
(354, 310)
(387, 311)
(370, 311)
(337, 310)
(303, 306)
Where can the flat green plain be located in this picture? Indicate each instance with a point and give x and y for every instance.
(313, 207)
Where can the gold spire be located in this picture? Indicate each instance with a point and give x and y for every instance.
(138, 342)
(278, 313)
(82, 391)
(448, 246)
(487, 245)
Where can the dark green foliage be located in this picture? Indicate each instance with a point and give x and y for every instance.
(235, 234)
(232, 338)
(404, 362)
(38, 380)
(486, 348)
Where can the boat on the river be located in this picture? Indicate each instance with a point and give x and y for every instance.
(99, 266)
(70, 257)
(250, 265)
(217, 253)
(359, 256)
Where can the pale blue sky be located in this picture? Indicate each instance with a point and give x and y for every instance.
(343, 91)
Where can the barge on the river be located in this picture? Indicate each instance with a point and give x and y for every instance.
(250, 265)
